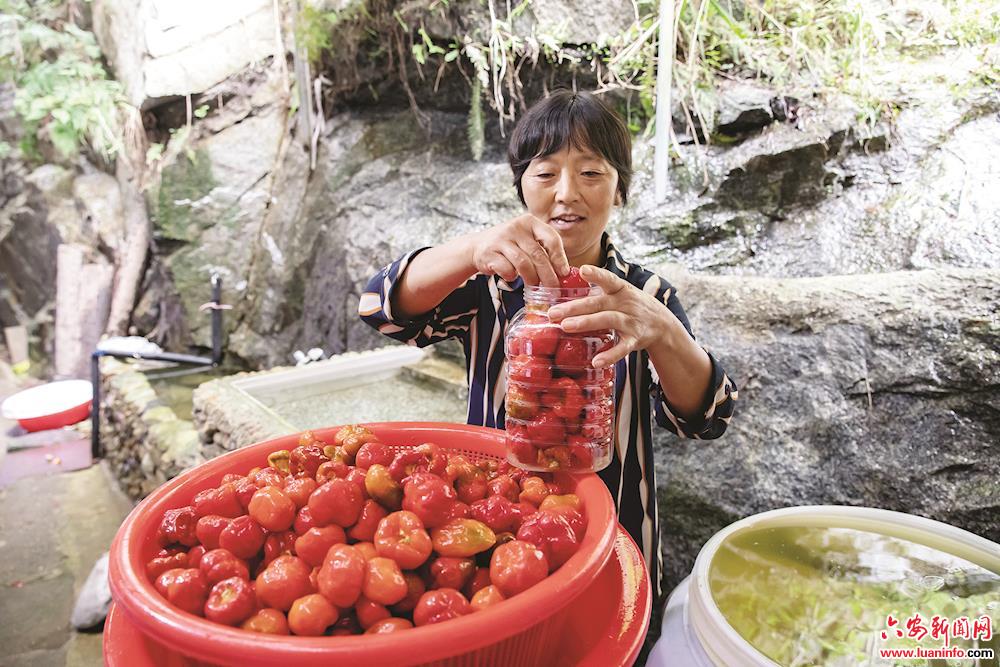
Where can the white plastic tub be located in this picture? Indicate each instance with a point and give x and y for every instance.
(694, 631)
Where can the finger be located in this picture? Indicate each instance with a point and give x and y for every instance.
(499, 265)
(552, 242)
(517, 257)
(582, 306)
(624, 347)
(604, 320)
(540, 260)
(603, 278)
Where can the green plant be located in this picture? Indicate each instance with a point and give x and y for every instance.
(64, 95)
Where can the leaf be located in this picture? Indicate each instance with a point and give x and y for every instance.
(201, 111)
(450, 56)
(418, 53)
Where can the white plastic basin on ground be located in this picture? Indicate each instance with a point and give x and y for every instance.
(694, 631)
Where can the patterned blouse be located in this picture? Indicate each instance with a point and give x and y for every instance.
(477, 313)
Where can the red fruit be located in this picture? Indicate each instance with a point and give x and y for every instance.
(277, 544)
(496, 512)
(267, 621)
(371, 514)
(303, 521)
(384, 582)
(462, 538)
(387, 625)
(178, 527)
(243, 536)
(574, 280)
(503, 485)
(415, 587)
(440, 605)
(521, 402)
(299, 490)
(337, 501)
(469, 479)
(219, 564)
(446, 572)
(565, 399)
(546, 429)
(517, 566)
(342, 575)
(245, 489)
(284, 581)
(429, 497)
(573, 357)
(486, 597)
(231, 602)
(268, 477)
(310, 615)
(534, 490)
(223, 501)
(306, 459)
(272, 509)
(374, 452)
(401, 537)
(166, 560)
(539, 341)
(479, 581)
(186, 589)
(316, 542)
(551, 533)
(195, 555)
(530, 371)
(370, 612)
(209, 528)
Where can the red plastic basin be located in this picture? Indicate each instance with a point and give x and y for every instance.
(51, 405)
(521, 631)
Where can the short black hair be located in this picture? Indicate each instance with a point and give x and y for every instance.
(578, 117)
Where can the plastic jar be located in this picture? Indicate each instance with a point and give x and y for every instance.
(559, 408)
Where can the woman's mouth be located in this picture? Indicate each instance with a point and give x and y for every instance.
(566, 221)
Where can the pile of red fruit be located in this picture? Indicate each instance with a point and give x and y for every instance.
(357, 537)
(559, 408)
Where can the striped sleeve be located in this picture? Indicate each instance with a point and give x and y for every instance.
(720, 399)
(450, 319)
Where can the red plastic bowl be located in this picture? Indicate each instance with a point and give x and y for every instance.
(521, 631)
(51, 405)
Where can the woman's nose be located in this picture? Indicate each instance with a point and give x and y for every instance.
(566, 190)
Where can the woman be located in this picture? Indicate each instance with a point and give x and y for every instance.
(571, 158)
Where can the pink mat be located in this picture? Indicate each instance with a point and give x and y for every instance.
(45, 459)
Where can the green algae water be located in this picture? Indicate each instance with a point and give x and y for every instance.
(807, 596)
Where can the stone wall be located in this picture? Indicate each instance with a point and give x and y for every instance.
(144, 441)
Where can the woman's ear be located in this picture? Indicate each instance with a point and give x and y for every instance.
(618, 198)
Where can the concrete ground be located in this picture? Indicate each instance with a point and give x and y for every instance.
(53, 527)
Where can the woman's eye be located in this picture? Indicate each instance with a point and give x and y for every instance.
(591, 173)
(545, 175)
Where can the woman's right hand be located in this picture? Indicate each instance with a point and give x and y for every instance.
(523, 246)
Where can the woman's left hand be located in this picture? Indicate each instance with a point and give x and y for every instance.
(640, 319)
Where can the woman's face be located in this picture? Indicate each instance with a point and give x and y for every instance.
(573, 190)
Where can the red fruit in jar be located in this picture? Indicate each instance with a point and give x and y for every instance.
(313, 545)
(496, 512)
(299, 490)
(415, 587)
(401, 536)
(306, 459)
(267, 621)
(219, 564)
(517, 566)
(374, 452)
(440, 605)
(573, 357)
(429, 497)
(338, 501)
(341, 575)
(447, 572)
(185, 588)
(555, 458)
(231, 602)
(370, 612)
(522, 450)
(552, 533)
(574, 280)
(486, 597)
(167, 559)
(272, 509)
(310, 615)
(371, 514)
(521, 402)
(178, 527)
(209, 528)
(387, 625)
(384, 582)
(565, 398)
(546, 429)
(581, 453)
(531, 371)
(539, 341)
(244, 537)
(283, 581)
(461, 538)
